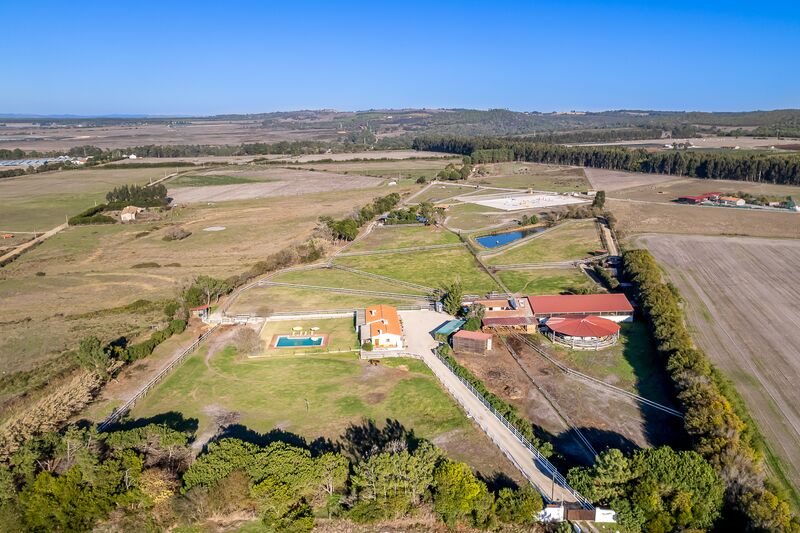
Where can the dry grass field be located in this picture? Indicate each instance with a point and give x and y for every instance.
(711, 142)
(666, 192)
(539, 177)
(614, 180)
(92, 267)
(41, 201)
(570, 241)
(742, 304)
(372, 154)
(636, 217)
(272, 182)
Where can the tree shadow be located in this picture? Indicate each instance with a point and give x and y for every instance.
(498, 481)
(317, 447)
(572, 452)
(362, 441)
(171, 419)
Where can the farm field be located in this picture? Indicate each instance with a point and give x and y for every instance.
(202, 180)
(669, 191)
(42, 201)
(471, 217)
(319, 396)
(270, 299)
(438, 192)
(544, 281)
(635, 217)
(393, 237)
(535, 176)
(614, 180)
(88, 268)
(742, 299)
(432, 268)
(707, 142)
(567, 242)
(271, 182)
(340, 331)
(371, 154)
(395, 169)
(333, 277)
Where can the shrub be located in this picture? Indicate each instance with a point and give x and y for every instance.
(40, 274)
(422, 179)
(149, 264)
(177, 326)
(367, 346)
(176, 234)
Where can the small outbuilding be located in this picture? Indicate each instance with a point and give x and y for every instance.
(472, 341)
(201, 311)
(443, 332)
(731, 200)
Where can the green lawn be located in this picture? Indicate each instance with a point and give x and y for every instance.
(312, 396)
(544, 281)
(388, 238)
(341, 335)
(266, 300)
(333, 277)
(568, 242)
(201, 180)
(533, 176)
(432, 268)
(442, 191)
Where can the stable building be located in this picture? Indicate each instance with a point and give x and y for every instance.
(614, 307)
(472, 341)
(581, 333)
(382, 328)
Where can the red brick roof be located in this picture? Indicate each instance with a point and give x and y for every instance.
(587, 326)
(508, 321)
(474, 335)
(587, 304)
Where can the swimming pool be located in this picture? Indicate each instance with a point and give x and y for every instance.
(287, 341)
(501, 239)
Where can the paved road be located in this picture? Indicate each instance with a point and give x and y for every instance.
(417, 326)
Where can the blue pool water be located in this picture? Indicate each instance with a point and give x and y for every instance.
(500, 239)
(290, 342)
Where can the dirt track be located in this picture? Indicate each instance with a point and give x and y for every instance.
(743, 296)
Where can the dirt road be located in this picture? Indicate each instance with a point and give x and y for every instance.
(417, 326)
(24, 247)
(742, 305)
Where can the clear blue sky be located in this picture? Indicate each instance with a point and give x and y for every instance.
(195, 57)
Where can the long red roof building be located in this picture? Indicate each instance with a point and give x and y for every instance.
(580, 304)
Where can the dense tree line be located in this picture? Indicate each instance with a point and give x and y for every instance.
(653, 489)
(346, 229)
(770, 168)
(143, 478)
(714, 416)
(140, 196)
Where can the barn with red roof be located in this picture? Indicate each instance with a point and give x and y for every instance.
(615, 307)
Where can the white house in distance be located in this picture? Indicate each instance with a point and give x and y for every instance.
(382, 327)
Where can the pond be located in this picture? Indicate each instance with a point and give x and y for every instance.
(501, 239)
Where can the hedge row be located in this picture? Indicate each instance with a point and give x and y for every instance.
(501, 406)
(93, 215)
(145, 348)
(718, 432)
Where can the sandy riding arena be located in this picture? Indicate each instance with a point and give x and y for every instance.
(523, 201)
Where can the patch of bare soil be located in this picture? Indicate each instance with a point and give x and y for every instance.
(604, 418)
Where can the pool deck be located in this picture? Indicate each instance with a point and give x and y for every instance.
(278, 336)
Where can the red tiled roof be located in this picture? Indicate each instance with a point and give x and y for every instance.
(385, 318)
(588, 304)
(474, 335)
(587, 326)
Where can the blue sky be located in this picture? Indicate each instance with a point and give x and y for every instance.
(198, 57)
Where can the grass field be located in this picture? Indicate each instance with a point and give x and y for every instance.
(389, 238)
(332, 277)
(470, 217)
(544, 281)
(42, 201)
(265, 300)
(439, 192)
(518, 175)
(400, 169)
(201, 180)
(432, 268)
(341, 335)
(319, 396)
(667, 192)
(570, 241)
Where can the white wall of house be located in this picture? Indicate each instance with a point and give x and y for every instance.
(388, 340)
